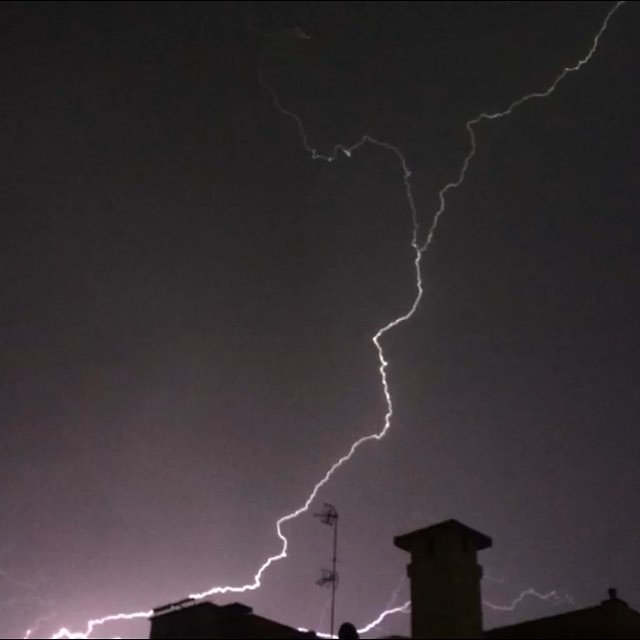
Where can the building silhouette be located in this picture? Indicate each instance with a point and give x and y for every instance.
(191, 620)
(446, 602)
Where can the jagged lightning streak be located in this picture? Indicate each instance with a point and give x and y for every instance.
(36, 625)
(419, 250)
(405, 608)
(396, 591)
(554, 597)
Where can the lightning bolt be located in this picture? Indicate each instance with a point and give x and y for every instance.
(418, 248)
(323, 614)
(396, 591)
(554, 597)
(29, 598)
(36, 625)
(405, 608)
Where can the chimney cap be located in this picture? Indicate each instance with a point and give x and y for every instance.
(409, 541)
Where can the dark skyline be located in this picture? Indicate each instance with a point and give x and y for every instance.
(189, 299)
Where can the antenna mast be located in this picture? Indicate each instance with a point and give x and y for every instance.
(329, 516)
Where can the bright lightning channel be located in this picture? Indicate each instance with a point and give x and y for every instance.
(405, 608)
(554, 597)
(419, 250)
(36, 625)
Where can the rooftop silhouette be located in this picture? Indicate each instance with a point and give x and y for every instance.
(446, 602)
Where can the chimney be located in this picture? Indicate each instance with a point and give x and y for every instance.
(446, 601)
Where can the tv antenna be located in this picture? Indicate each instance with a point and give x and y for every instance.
(329, 516)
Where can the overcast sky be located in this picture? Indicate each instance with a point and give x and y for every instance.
(187, 302)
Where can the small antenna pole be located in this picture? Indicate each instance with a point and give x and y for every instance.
(329, 516)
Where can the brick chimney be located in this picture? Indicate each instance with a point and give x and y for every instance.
(446, 601)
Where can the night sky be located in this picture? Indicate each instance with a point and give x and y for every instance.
(187, 302)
